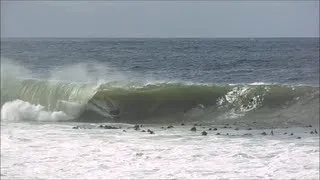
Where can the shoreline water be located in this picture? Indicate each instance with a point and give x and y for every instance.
(176, 152)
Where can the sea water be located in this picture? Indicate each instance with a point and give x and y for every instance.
(257, 100)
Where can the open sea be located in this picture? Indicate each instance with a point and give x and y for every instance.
(125, 108)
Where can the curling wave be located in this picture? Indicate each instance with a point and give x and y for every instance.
(163, 102)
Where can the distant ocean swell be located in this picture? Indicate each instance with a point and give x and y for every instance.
(267, 105)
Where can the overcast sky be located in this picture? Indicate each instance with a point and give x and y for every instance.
(160, 19)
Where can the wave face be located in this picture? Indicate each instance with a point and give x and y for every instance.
(274, 105)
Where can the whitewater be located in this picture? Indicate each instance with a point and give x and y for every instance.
(94, 119)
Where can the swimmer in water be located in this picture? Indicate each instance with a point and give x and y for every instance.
(115, 113)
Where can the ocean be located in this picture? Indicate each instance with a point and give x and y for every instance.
(160, 108)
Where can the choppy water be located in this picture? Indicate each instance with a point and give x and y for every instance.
(48, 86)
(58, 151)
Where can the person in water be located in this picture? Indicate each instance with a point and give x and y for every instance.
(115, 113)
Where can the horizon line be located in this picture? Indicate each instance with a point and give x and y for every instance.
(131, 37)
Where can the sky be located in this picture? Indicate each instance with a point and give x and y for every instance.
(160, 19)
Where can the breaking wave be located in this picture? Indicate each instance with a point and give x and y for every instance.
(273, 104)
(70, 95)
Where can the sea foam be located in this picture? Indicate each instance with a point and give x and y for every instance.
(20, 110)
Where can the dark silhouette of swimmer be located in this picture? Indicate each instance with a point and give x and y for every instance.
(115, 113)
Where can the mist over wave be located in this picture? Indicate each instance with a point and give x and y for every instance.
(66, 91)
